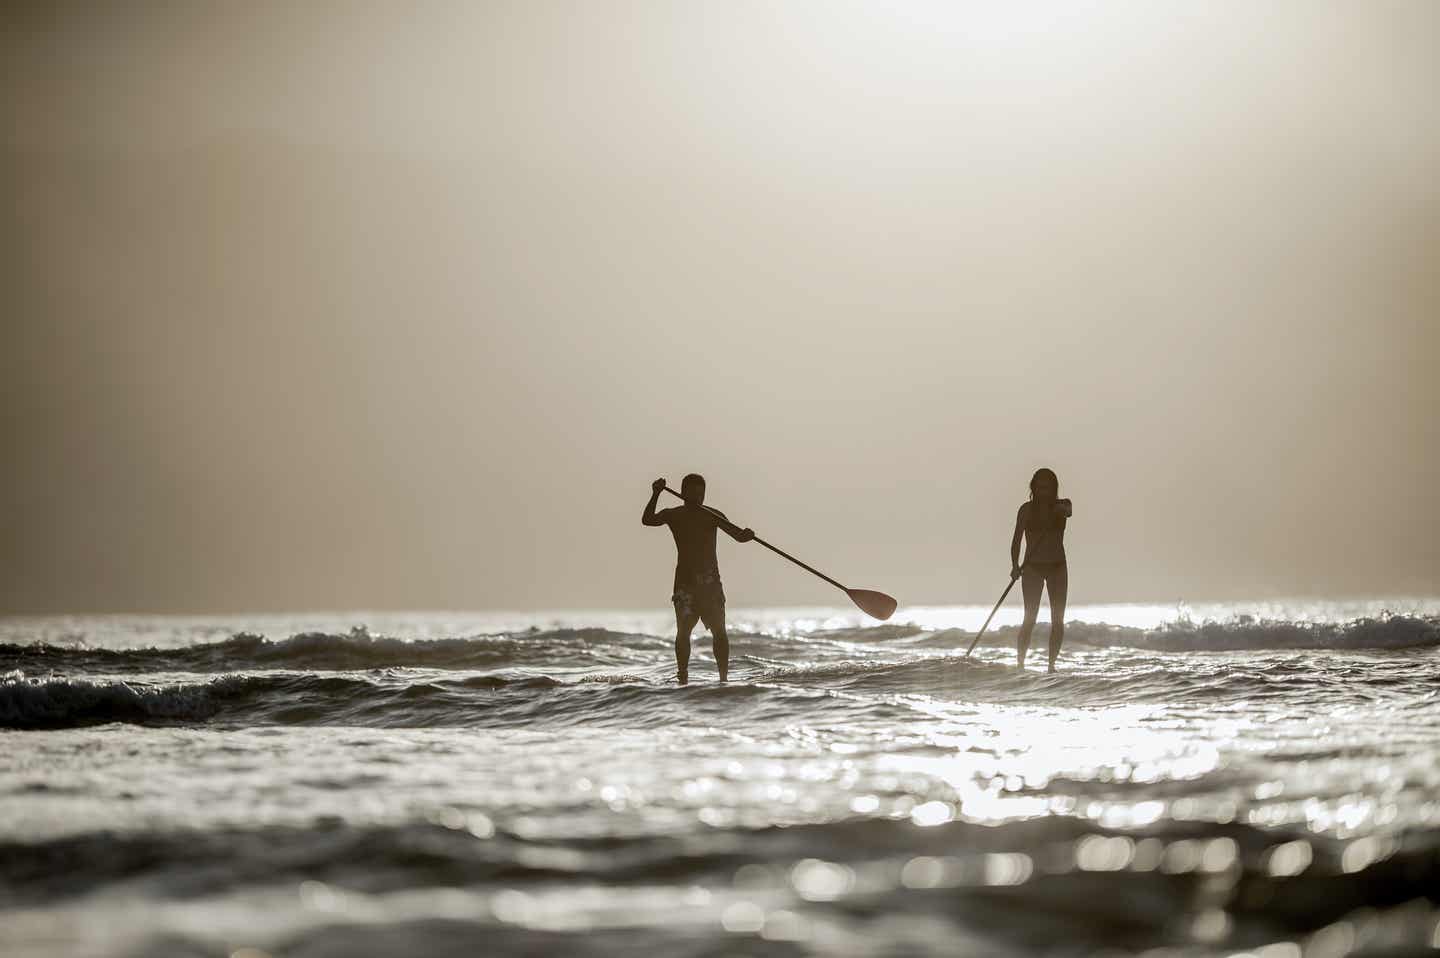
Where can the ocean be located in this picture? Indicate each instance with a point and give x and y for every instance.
(1246, 779)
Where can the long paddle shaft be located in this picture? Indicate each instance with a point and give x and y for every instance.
(1002, 599)
(876, 604)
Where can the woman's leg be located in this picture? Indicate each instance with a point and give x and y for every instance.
(1057, 584)
(1031, 582)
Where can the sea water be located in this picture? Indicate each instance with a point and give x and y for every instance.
(1245, 778)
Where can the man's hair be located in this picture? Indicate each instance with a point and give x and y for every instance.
(694, 479)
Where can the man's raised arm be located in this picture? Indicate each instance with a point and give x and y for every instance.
(651, 517)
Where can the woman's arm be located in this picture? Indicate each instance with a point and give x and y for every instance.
(1015, 541)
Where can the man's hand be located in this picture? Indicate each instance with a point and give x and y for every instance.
(746, 535)
(650, 517)
(1014, 572)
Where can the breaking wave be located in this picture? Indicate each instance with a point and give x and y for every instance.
(600, 648)
(762, 692)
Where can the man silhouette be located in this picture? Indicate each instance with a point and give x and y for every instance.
(698, 595)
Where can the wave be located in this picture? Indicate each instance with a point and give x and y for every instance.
(1138, 678)
(357, 649)
(34, 703)
(1242, 633)
(398, 701)
(763, 690)
(596, 647)
(1065, 877)
(1246, 633)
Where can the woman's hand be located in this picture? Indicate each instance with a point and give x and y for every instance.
(1014, 572)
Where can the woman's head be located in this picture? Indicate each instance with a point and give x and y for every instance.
(1044, 484)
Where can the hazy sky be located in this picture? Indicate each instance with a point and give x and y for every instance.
(325, 306)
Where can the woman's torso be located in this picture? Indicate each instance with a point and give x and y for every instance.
(1044, 533)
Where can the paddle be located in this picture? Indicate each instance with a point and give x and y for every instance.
(877, 605)
(1002, 597)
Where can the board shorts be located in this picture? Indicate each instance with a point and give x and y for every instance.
(703, 598)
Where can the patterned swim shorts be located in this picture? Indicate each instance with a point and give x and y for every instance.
(703, 597)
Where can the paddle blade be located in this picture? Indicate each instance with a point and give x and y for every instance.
(877, 605)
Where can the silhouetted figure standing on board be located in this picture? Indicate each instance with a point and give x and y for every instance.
(1041, 522)
(698, 595)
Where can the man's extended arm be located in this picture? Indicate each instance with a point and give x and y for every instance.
(732, 530)
(651, 518)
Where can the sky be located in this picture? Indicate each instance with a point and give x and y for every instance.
(356, 305)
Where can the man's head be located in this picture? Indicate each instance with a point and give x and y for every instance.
(692, 489)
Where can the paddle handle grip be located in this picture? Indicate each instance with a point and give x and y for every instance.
(779, 552)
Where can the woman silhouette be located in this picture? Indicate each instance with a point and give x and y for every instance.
(1041, 522)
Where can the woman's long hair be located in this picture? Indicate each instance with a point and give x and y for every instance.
(1043, 473)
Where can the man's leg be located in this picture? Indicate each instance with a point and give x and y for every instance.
(684, 624)
(719, 641)
(1031, 582)
(1058, 585)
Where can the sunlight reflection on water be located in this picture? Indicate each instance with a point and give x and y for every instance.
(858, 774)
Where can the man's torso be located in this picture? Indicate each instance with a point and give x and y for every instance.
(694, 532)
